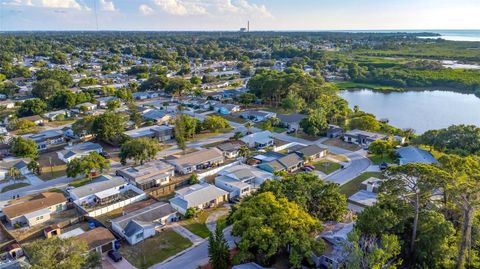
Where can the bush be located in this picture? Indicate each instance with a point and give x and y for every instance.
(190, 213)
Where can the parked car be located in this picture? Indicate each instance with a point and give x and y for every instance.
(105, 154)
(115, 255)
(383, 166)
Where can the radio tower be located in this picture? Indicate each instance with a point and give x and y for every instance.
(248, 26)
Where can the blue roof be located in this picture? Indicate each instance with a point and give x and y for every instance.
(415, 155)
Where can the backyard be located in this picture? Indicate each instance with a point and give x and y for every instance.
(355, 184)
(155, 249)
(197, 225)
(335, 142)
(378, 159)
(51, 166)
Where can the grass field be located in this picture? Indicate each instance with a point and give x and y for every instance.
(155, 249)
(354, 185)
(378, 159)
(197, 225)
(49, 173)
(346, 85)
(15, 186)
(327, 167)
(79, 182)
(341, 144)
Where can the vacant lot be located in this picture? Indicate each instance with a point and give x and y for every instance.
(327, 167)
(51, 166)
(155, 249)
(341, 144)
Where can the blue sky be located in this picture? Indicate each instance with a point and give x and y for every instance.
(233, 14)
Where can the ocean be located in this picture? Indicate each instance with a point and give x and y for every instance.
(457, 35)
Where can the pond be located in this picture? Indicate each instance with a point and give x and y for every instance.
(420, 110)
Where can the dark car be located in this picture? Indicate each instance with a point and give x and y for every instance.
(105, 154)
(115, 255)
(383, 166)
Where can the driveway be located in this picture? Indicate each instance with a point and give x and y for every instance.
(108, 263)
(195, 239)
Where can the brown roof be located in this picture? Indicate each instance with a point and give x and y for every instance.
(32, 118)
(36, 202)
(198, 157)
(97, 237)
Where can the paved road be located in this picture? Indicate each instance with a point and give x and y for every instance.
(60, 182)
(194, 256)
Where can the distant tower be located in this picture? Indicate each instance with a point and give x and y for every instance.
(248, 26)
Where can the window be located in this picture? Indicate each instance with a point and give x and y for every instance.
(139, 236)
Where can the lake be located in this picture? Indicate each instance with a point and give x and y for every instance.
(420, 110)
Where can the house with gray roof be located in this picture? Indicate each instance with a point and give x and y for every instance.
(202, 159)
(291, 121)
(415, 155)
(160, 117)
(162, 133)
(257, 115)
(290, 163)
(47, 139)
(142, 223)
(362, 138)
(240, 180)
(312, 153)
(78, 151)
(259, 140)
(149, 175)
(198, 196)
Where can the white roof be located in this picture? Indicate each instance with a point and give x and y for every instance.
(73, 233)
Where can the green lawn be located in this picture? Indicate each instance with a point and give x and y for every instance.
(197, 225)
(378, 159)
(155, 249)
(14, 186)
(79, 182)
(327, 167)
(354, 85)
(49, 173)
(354, 185)
(222, 221)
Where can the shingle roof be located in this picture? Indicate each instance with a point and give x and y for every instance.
(311, 150)
(415, 155)
(37, 202)
(146, 171)
(197, 194)
(197, 157)
(97, 237)
(291, 118)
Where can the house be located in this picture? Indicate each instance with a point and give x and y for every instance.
(35, 119)
(7, 104)
(230, 149)
(78, 151)
(103, 101)
(290, 163)
(240, 180)
(88, 106)
(335, 236)
(257, 115)
(47, 139)
(250, 265)
(259, 140)
(141, 95)
(362, 138)
(18, 163)
(98, 239)
(361, 200)
(334, 131)
(227, 109)
(415, 155)
(52, 115)
(198, 196)
(149, 175)
(312, 153)
(201, 159)
(36, 209)
(160, 117)
(141, 224)
(105, 194)
(291, 121)
(162, 133)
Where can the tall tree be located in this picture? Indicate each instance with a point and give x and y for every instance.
(140, 150)
(24, 147)
(218, 250)
(85, 165)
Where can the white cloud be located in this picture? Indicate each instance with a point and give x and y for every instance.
(67, 4)
(107, 5)
(215, 8)
(145, 9)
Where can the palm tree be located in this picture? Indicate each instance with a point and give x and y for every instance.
(249, 125)
(13, 172)
(244, 151)
(3, 138)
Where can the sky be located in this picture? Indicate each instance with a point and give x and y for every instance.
(211, 15)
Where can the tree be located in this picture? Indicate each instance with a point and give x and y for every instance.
(193, 179)
(187, 126)
(13, 173)
(113, 104)
(109, 126)
(45, 89)
(370, 252)
(415, 183)
(62, 76)
(83, 126)
(140, 150)
(24, 147)
(218, 250)
(215, 123)
(32, 107)
(267, 224)
(154, 83)
(315, 123)
(191, 212)
(366, 123)
(320, 199)
(248, 125)
(464, 187)
(85, 165)
(380, 147)
(293, 102)
(58, 253)
(34, 166)
(247, 98)
(195, 80)
(178, 86)
(23, 125)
